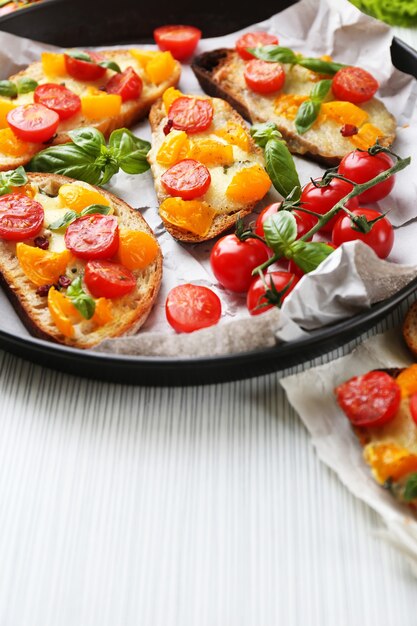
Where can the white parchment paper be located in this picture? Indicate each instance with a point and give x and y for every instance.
(332, 27)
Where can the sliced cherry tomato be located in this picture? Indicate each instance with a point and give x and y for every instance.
(188, 179)
(322, 199)
(259, 299)
(369, 400)
(85, 70)
(93, 236)
(264, 77)
(191, 307)
(361, 167)
(380, 238)
(33, 122)
(254, 40)
(194, 115)
(180, 40)
(232, 261)
(413, 407)
(354, 85)
(127, 84)
(105, 279)
(305, 222)
(20, 217)
(58, 98)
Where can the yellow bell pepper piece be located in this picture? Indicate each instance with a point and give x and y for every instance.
(407, 380)
(366, 136)
(194, 216)
(137, 249)
(143, 56)
(95, 107)
(53, 64)
(343, 113)
(41, 266)
(160, 67)
(249, 184)
(63, 312)
(169, 96)
(211, 152)
(12, 145)
(388, 460)
(235, 134)
(103, 313)
(5, 107)
(287, 104)
(77, 198)
(174, 149)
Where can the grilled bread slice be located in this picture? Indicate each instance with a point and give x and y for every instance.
(221, 73)
(155, 80)
(231, 157)
(115, 316)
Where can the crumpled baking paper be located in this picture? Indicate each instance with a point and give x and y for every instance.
(332, 27)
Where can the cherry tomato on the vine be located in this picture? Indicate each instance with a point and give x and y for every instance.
(322, 199)
(264, 77)
(254, 40)
(180, 40)
(233, 260)
(191, 307)
(360, 167)
(380, 238)
(257, 301)
(354, 85)
(305, 222)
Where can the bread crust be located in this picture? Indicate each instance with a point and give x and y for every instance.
(129, 312)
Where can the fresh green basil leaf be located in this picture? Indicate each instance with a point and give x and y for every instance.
(306, 115)
(274, 54)
(26, 85)
(89, 139)
(320, 90)
(322, 67)
(16, 178)
(280, 230)
(63, 222)
(130, 151)
(68, 160)
(263, 132)
(111, 65)
(281, 169)
(80, 56)
(96, 208)
(82, 302)
(309, 254)
(410, 491)
(8, 89)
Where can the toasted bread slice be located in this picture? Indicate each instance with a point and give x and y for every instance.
(221, 73)
(131, 110)
(410, 329)
(226, 211)
(128, 312)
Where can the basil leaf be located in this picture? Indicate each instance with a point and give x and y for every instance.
(309, 254)
(322, 67)
(96, 208)
(320, 90)
(410, 491)
(306, 115)
(281, 168)
(89, 139)
(17, 177)
(274, 54)
(63, 222)
(26, 85)
(68, 160)
(280, 230)
(82, 302)
(81, 56)
(130, 151)
(111, 65)
(8, 89)
(262, 133)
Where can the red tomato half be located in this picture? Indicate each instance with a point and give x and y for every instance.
(33, 122)
(105, 279)
(187, 179)
(380, 238)
(93, 236)
(58, 98)
(181, 41)
(305, 222)
(85, 70)
(191, 307)
(257, 302)
(361, 167)
(20, 217)
(322, 199)
(254, 40)
(126, 84)
(369, 400)
(193, 115)
(232, 261)
(354, 84)
(264, 77)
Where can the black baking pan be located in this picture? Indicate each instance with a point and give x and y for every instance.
(80, 22)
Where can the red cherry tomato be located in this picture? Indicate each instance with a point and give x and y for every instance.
(322, 199)
(369, 400)
(187, 179)
(380, 238)
(191, 307)
(126, 84)
(354, 84)
(413, 407)
(105, 279)
(58, 98)
(264, 77)
(254, 40)
(294, 269)
(33, 122)
(256, 299)
(20, 217)
(179, 40)
(305, 222)
(361, 167)
(93, 236)
(85, 70)
(232, 261)
(193, 115)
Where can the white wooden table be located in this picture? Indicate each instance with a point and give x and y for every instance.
(123, 506)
